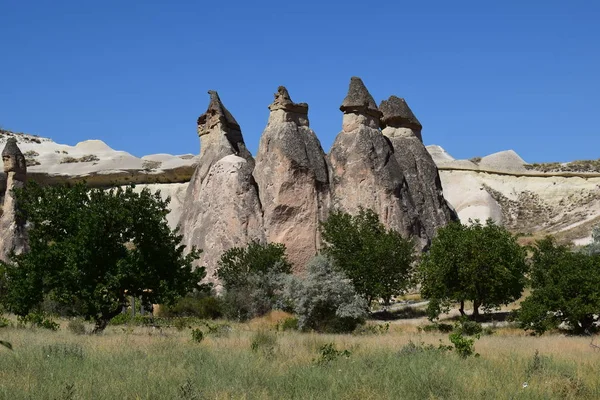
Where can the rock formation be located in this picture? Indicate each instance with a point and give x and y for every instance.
(292, 178)
(12, 228)
(364, 171)
(221, 208)
(403, 129)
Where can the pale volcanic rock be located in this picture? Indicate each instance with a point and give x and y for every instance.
(13, 235)
(292, 177)
(364, 171)
(403, 129)
(221, 207)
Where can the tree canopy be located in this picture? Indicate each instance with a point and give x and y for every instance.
(91, 248)
(378, 261)
(480, 263)
(565, 288)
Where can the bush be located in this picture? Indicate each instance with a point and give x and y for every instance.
(328, 353)
(438, 327)
(39, 320)
(372, 329)
(76, 326)
(288, 324)
(253, 278)
(199, 305)
(325, 301)
(462, 345)
(264, 342)
(197, 335)
(469, 328)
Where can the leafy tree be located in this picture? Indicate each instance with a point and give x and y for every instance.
(378, 261)
(481, 263)
(565, 289)
(253, 277)
(95, 248)
(325, 301)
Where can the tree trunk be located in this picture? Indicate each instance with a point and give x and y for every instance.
(101, 324)
(476, 304)
(462, 308)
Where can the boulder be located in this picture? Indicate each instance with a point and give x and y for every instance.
(403, 129)
(292, 177)
(13, 236)
(364, 172)
(221, 207)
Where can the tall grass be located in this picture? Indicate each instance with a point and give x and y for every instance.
(144, 363)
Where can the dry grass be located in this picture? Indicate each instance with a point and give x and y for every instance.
(148, 363)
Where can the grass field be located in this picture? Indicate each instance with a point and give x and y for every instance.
(148, 363)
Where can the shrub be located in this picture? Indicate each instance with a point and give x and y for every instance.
(76, 326)
(264, 342)
(325, 301)
(462, 345)
(197, 335)
(438, 327)
(372, 329)
(199, 305)
(328, 353)
(288, 324)
(253, 278)
(469, 328)
(39, 320)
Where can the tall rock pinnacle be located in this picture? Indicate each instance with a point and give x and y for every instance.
(364, 171)
(292, 177)
(13, 236)
(403, 129)
(221, 208)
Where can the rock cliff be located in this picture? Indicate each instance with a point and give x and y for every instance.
(292, 178)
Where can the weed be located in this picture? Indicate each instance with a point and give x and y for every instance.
(76, 326)
(328, 353)
(197, 335)
(63, 350)
(462, 345)
(288, 324)
(264, 342)
(68, 392)
(187, 391)
(372, 329)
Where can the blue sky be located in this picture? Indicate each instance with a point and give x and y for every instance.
(481, 76)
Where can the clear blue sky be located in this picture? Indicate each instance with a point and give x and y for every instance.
(481, 76)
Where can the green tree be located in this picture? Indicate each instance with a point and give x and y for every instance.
(378, 261)
(565, 289)
(253, 277)
(95, 248)
(480, 263)
(594, 247)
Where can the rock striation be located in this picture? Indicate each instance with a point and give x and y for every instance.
(13, 236)
(403, 129)
(292, 177)
(221, 207)
(364, 170)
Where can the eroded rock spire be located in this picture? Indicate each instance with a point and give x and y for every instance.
(13, 236)
(292, 177)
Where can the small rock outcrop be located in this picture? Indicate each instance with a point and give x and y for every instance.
(13, 236)
(403, 129)
(221, 208)
(292, 176)
(364, 171)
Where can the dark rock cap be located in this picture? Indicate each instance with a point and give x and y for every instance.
(284, 102)
(217, 110)
(11, 148)
(359, 99)
(398, 114)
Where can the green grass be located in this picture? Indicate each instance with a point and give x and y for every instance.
(143, 363)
